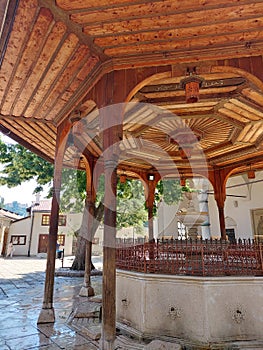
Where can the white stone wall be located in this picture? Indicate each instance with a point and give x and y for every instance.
(23, 227)
(167, 221)
(239, 208)
(20, 228)
(240, 201)
(198, 309)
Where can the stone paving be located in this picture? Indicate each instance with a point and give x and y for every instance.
(21, 295)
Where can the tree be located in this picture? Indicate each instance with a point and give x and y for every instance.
(131, 209)
(170, 191)
(22, 165)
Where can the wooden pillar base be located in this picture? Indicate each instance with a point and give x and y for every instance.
(46, 316)
(86, 291)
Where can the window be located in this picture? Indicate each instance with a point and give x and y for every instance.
(45, 220)
(61, 239)
(18, 240)
(230, 232)
(62, 220)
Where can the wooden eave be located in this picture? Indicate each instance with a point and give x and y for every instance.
(54, 55)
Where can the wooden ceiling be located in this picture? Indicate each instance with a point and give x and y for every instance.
(54, 53)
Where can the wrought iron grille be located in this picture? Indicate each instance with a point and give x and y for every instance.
(189, 257)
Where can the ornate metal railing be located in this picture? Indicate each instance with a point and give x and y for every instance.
(190, 257)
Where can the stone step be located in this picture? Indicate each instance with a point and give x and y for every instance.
(251, 345)
(125, 343)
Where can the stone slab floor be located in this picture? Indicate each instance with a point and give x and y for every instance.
(21, 294)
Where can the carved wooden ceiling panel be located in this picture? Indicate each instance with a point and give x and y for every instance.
(53, 53)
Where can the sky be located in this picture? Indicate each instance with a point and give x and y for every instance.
(22, 194)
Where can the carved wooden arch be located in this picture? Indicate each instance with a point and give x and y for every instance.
(230, 69)
(147, 81)
(210, 68)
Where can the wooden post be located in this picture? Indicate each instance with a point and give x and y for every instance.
(218, 179)
(47, 314)
(150, 223)
(87, 289)
(150, 196)
(109, 265)
(221, 213)
(111, 119)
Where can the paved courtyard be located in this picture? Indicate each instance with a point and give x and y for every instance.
(21, 296)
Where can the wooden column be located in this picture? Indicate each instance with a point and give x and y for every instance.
(218, 179)
(109, 265)
(47, 314)
(150, 222)
(111, 119)
(87, 289)
(150, 196)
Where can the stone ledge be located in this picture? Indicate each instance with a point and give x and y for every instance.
(67, 272)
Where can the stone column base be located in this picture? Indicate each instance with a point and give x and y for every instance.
(86, 291)
(46, 316)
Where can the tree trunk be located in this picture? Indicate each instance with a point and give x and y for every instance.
(79, 261)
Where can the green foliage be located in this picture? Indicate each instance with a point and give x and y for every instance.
(21, 165)
(130, 204)
(170, 192)
(73, 190)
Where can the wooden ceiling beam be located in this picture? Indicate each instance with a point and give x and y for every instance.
(17, 42)
(140, 9)
(7, 17)
(188, 56)
(167, 19)
(247, 105)
(28, 55)
(202, 98)
(95, 5)
(38, 70)
(63, 83)
(164, 34)
(28, 120)
(11, 132)
(235, 156)
(61, 16)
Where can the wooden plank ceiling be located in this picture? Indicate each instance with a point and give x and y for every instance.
(54, 52)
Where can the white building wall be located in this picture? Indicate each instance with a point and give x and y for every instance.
(240, 202)
(23, 227)
(166, 225)
(20, 228)
(72, 224)
(239, 208)
(37, 230)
